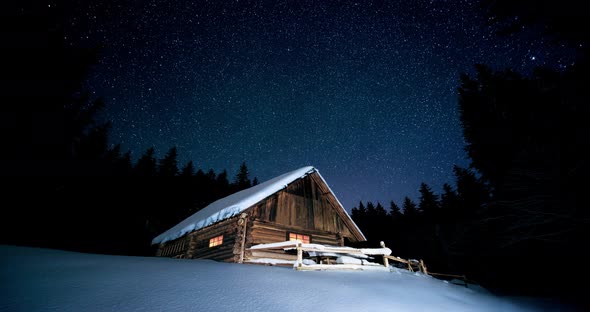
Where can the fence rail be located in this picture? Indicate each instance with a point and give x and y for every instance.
(413, 265)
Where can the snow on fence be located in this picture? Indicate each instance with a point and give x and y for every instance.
(348, 257)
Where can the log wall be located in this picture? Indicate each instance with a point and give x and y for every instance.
(174, 249)
(199, 241)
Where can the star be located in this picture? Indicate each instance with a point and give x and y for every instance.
(355, 90)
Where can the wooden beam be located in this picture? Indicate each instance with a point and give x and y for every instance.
(338, 208)
(423, 267)
(243, 219)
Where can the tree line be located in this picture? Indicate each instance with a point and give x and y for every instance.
(439, 228)
(517, 221)
(64, 185)
(118, 209)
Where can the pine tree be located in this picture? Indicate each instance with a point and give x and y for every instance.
(429, 204)
(526, 136)
(255, 181)
(449, 202)
(242, 181)
(115, 163)
(146, 165)
(394, 211)
(380, 211)
(472, 191)
(222, 181)
(360, 215)
(410, 209)
(371, 212)
(123, 165)
(169, 164)
(362, 211)
(354, 213)
(113, 155)
(188, 170)
(200, 174)
(110, 160)
(46, 114)
(210, 176)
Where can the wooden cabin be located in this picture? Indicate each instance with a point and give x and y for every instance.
(298, 205)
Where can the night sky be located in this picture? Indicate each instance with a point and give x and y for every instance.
(364, 91)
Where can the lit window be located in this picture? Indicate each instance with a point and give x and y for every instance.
(303, 238)
(216, 241)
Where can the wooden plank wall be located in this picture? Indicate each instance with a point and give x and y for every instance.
(349, 229)
(304, 205)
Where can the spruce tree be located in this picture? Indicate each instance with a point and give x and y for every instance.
(354, 213)
(380, 211)
(361, 218)
(169, 164)
(429, 204)
(146, 165)
(123, 165)
(410, 209)
(472, 191)
(222, 181)
(394, 211)
(210, 176)
(113, 155)
(188, 170)
(371, 212)
(242, 181)
(362, 211)
(46, 113)
(449, 202)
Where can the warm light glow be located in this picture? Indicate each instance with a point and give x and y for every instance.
(303, 238)
(216, 241)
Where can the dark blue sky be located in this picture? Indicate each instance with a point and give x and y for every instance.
(364, 91)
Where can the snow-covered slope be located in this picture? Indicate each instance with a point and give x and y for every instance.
(33, 279)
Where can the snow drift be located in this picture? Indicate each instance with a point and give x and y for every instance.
(34, 279)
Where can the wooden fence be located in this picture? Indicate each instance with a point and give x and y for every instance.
(413, 265)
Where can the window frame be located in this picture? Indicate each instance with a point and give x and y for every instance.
(216, 241)
(297, 235)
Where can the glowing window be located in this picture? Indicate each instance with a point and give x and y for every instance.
(303, 238)
(216, 241)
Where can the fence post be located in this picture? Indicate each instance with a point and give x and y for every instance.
(299, 255)
(385, 260)
(423, 267)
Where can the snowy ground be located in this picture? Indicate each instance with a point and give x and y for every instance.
(33, 279)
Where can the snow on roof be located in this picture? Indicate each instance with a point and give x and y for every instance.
(232, 205)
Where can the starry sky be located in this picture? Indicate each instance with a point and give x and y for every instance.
(365, 91)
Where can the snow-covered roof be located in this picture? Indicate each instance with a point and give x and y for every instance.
(234, 204)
